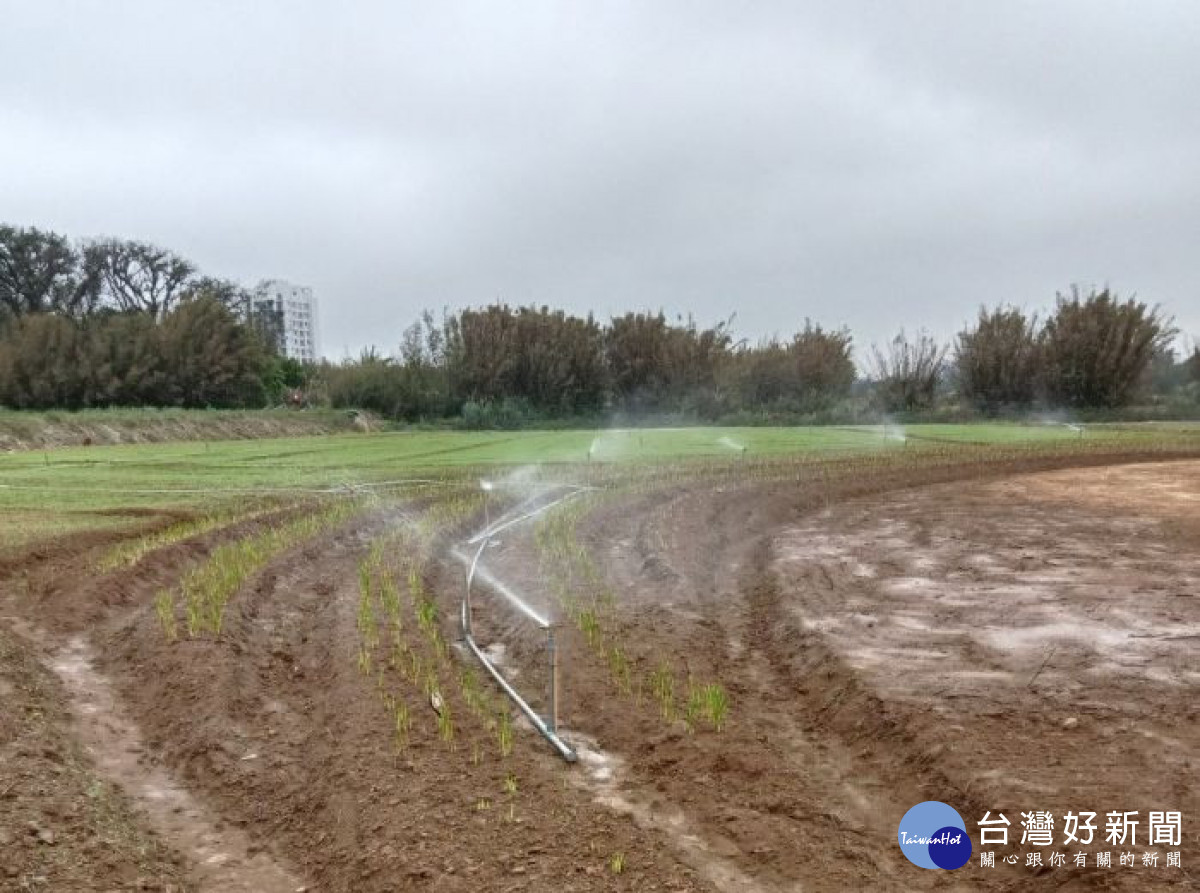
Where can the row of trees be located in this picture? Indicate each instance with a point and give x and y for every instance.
(197, 355)
(499, 365)
(115, 322)
(44, 272)
(1095, 350)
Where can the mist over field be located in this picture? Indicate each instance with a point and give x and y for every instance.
(601, 448)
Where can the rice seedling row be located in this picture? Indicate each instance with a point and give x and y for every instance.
(206, 590)
(402, 648)
(588, 600)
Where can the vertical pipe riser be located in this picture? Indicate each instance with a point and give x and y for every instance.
(552, 654)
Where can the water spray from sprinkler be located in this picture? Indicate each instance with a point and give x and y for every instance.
(892, 431)
(730, 443)
(1056, 418)
(487, 487)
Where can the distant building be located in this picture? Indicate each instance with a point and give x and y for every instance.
(287, 314)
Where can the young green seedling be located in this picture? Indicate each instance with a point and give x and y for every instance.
(164, 605)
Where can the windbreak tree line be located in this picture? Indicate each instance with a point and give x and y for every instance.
(502, 366)
(1093, 351)
(113, 322)
(198, 355)
(43, 272)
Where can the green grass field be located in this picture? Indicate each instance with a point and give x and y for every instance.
(57, 491)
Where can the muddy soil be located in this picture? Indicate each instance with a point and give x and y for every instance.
(1024, 643)
(1048, 622)
(1055, 608)
(276, 727)
(63, 824)
(221, 857)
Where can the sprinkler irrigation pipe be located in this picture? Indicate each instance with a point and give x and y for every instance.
(488, 533)
(540, 724)
(548, 725)
(515, 600)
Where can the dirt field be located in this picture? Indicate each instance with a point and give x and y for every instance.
(1006, 637)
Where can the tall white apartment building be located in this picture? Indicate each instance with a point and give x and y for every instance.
(292, 314)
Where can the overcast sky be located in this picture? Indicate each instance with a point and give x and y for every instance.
(877, 165)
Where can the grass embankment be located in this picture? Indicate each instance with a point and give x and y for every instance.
(51, 430)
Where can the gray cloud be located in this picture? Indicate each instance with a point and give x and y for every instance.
(876, 164)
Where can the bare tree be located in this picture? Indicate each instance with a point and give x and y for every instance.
(138, 276)
(907, 372)
(226, 292)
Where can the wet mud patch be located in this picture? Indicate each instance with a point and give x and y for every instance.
(63, 824)
(1048, 622)
(223, 857)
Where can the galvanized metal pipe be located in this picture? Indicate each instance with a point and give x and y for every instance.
(552, 654)
(540, 724)
(547, 726)
(485, 576)
(490, 532)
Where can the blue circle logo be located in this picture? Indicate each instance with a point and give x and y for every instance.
(933, 835)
